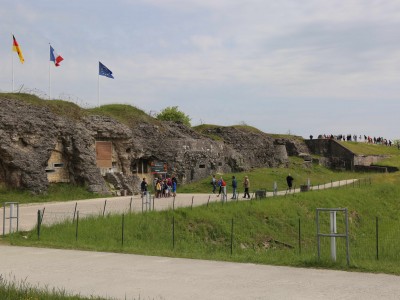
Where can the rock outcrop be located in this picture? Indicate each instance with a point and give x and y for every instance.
(31, 134)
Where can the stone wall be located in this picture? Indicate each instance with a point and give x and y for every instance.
(337, 156)
(32, 139)
(367, 160)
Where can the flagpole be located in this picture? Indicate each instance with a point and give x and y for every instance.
(12, 73)
(98, 90)
(49, 80)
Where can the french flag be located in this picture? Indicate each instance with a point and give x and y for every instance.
(55, 57)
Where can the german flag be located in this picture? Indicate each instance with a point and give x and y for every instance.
(17, 49)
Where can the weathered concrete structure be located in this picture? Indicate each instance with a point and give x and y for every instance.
(39, 147)
(336, 156)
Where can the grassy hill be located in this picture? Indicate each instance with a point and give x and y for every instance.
(276, 230)
(279, 230)
(126, 114)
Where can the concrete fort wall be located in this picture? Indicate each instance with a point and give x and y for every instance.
(338, 157)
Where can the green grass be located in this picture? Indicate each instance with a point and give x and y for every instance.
(126, 114)
(370, 149)
(13, 290)
(207, 130)
(56, 192)
(58, 107)
(264, 178)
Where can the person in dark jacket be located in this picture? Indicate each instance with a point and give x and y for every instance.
(143, 187)
(234, 186)
(289, 180)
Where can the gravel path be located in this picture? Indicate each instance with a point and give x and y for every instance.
(149, 277)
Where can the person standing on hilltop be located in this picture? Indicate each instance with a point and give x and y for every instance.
(246, 185)
(289, 180)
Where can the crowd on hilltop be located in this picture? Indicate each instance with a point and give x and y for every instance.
(356, 138)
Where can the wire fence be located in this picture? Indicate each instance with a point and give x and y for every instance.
(373, 239)
(370, 239)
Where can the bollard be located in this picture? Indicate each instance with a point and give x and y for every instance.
(208, 201)
(130, 205)
(192, 203)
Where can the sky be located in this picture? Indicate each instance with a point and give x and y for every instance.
(286, 67)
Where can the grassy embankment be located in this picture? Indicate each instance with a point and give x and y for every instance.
(279, 230)
(264, 231)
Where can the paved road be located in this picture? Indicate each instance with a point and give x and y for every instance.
(59, 211)
(148, 277)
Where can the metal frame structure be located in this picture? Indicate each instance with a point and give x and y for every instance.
(11, 217)
(333, 233)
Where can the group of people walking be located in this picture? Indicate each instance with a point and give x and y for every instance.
(167, 187)
(163, 187)
(221, 184)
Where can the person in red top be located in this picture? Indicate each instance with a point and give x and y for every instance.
(222, 188)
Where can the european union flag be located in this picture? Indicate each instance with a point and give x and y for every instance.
(104, 71)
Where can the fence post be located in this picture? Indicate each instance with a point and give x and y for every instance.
(173, 232)
(299, 236)
(123, 225)
(377, 238)
(104, 209)
(38, 223)
(232, 237)
(41, 219)
(76, 228)
(73, 219)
